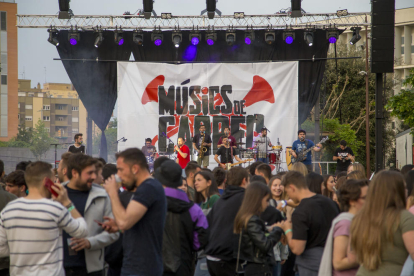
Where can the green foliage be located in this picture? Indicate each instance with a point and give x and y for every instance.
(24, 135)
(40, 140)
(111, 135)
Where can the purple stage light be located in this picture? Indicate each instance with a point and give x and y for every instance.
(121, 41)
(210, 42)
(289, 40)
(157, 42)
(73, 41)
(332, 39)
(195, 41)
(247, 40)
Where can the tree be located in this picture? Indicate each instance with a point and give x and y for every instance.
(24, 135)
(111, 137)
(402, 104)
(40, 140)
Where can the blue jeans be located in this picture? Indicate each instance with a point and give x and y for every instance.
(264, 160)
(277, 269)
(201, 268)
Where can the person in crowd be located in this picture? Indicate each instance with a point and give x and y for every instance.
(221, 254)
(303, 144)
(307, 232)
(279, 198)
(335, 259)
(77, 147)
(382, 232)
(343, 157)
(16, 184)
(231, 139)
(108, 170)
(255, 246)
(84, 256)
(186, 225)
(184, 187)
(252, 167)
(2, 173)
(183, 153)
(190, 171)
(258, 178)
(103, 161)
(143, 220)
(329, 186)
(409, 181)
(339, 175)
(22, 165)
(406, 168)
(300, 167)
(356, 167)
(358, 175)
(27, 220)
(315, 183)
(198, 138)
(206, 190)
(264, 170)
(62, 169)
(99, 177)
(220, 177)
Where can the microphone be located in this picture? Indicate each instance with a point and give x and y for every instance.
(124, 140)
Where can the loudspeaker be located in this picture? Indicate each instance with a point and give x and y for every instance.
(382, 36)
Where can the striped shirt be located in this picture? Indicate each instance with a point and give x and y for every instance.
(31, 233)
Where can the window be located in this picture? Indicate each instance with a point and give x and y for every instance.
(21, 94)
(75, 119)
(29, 106)
(75, 108)
(46, 118)
(47, 129)
(3, 21)
(18, 116)
(60, 118)
(4, 79)
(46, 107)
(75, 130)
(29, 118)
(60, 107)
(30, 94)
(18, 105)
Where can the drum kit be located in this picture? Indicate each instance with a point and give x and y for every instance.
(274, 154)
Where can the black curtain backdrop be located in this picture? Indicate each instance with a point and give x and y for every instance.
(96, 82)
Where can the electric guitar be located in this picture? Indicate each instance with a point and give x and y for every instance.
(229, 165)
(301, 155)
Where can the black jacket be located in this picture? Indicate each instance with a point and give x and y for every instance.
(223, 243)
(255, 246)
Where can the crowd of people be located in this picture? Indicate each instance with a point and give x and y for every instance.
(93, 218)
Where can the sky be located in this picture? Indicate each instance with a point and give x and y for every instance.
(35, 54)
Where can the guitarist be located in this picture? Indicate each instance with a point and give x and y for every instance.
(198, 138)
(226, 153)
(303, 144)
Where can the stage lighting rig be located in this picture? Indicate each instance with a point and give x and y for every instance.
(296, 9)
(270, 37)
(73, 36)
(230, 37)
(53, 37)
(157, 37)
(166, 15)
(64, 10)
(138, 37)
(238, 15)
(211, 36)
(119, 37)
(355, 35)
(340, 13)
(99, 38)
(332, 35)
(308, 36)
(177, 37)
(195, 37)
(289, 36)
(249, 36)
(211, 9)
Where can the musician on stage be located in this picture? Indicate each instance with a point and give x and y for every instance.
(149, 150)
(260, 145)
(198, 138)
(226, 153)
(183, 153)
(232, 140)
(303, 144)
(343, 156)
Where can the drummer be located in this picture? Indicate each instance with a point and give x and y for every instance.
(149, 151)
(231, 139)
(260, 145)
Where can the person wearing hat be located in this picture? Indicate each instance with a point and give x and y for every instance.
(303, 144)
(185, 230)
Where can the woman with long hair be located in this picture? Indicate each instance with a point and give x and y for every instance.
(335, 259)
(315, 183)
(382, 232)
(255, 246)
(300, 167)
(329, 186)
(357, 175)
(409, 180)
(206, 190)
(356, 167)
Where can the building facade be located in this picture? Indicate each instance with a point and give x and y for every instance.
(57, 105)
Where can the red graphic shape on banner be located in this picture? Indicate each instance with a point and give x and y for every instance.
(204, 90)
(272, 167)
(260, 91)
(151, 91)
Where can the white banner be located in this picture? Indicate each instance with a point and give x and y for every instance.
(157, 98)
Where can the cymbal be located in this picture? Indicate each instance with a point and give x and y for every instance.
(258, 142)
(241, 143)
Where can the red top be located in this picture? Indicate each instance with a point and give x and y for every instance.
(181, 160)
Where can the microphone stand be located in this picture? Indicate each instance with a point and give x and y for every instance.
(56, 149)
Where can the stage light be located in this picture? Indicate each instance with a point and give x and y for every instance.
(64, 10)
(288, 36)
(177, 37)
(342, 12)
(332, 35)
(148, 7)
(230, 37)
(248, 37)
(308, 37)
(355, 35)
(211, 37)
(99, 38)
(53, 37)
(138, 37)
(195, 37)
(166, 15)
(211, 8)
(270, 37)
(157, 37)
(73, 36)
(238, 15)
(119, 37)
(296, 9)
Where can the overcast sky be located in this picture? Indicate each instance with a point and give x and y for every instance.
(36, 54)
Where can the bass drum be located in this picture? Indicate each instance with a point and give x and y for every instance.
(273, 158)
(288, 158)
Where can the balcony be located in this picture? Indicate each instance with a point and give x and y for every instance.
(61, 123)
(61, 112)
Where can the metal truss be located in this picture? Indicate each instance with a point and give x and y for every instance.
(271, 21)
